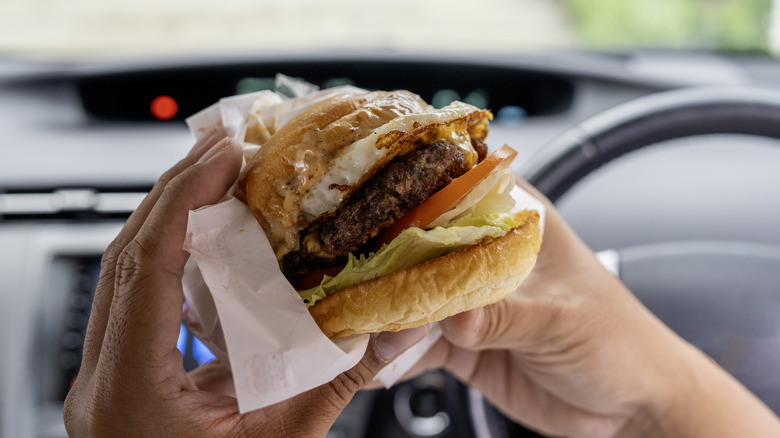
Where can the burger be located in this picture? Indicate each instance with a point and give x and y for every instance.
(386, 214)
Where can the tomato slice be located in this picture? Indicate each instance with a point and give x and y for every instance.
(446, 198)
(314, 278)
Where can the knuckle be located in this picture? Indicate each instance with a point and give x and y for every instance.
(175, 189)
(112, 251)
(495, 322)
(130, 262)
(491, 327)
(171, 174)
(109, 261)
(165, 178)
(175, 186)
(468, 337)
(346, 384)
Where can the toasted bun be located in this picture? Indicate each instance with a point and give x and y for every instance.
(294, 158)
(476, 276)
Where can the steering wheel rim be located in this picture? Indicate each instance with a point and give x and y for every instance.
(646, 121)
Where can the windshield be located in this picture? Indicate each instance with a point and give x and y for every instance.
(79, 29)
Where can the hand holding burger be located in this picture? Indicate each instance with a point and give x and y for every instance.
(573, 353)
(131, 381)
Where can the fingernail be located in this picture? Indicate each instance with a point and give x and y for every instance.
(215, 149)
(390, 344)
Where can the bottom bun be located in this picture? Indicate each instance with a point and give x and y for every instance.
(476, 276)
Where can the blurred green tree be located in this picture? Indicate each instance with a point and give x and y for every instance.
(727, 25)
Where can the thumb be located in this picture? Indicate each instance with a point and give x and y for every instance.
(500, 325)
(472, 329)
(331, 398)
(382, 349)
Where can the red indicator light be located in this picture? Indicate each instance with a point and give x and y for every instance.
(164, 107)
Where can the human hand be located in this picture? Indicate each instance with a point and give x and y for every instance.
(573, 353)
(132, 381)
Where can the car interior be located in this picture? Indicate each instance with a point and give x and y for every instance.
(665, 162)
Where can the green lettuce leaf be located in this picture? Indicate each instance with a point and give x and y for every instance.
(411, 247)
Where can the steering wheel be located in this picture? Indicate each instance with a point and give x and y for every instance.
(729, 290)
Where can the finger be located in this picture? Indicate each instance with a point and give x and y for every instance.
(468, 330)
(435, 358)
(104, 292)
(214, 377)
(146, 308)
(506, 324)
(385, 347)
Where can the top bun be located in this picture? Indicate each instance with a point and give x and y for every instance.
(294, 159)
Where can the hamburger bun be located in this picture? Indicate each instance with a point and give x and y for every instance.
(476, 276)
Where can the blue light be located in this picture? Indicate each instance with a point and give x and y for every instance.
(181, 343)
(200, 352)
(511, 114)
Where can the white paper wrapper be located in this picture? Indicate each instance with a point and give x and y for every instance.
(274, 347)
(242, 306)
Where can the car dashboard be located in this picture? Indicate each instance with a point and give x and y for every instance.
(81, 145)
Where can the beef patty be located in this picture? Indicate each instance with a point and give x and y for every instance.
(400, 186)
